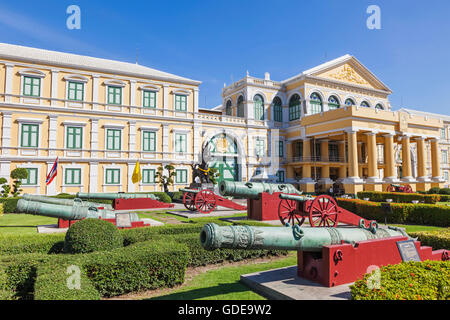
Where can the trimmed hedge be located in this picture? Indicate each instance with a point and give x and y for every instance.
(39, 243)
(9, 204)
(435, 239)
(91, 235)
(398, 197)
(52, 283)
(422, 214)
(426, 280)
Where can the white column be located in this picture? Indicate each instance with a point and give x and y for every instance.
(54, 91)
(9, 81)
(131, 185)
(165, 142)
(52, 133)
(95, 87)
(132, 140)
(51, 188)
(195, 100)
(197, 143)
(166, 99)
(5, 169)
(6, 131)
(132, 96)
(94, 137)
(93, 177)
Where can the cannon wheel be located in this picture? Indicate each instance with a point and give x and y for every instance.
(205, 201)
(408, 189)
(188, 201)
(390, 188)
(323, 212)
(288, 213)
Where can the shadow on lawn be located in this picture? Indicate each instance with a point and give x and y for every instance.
(223, 288)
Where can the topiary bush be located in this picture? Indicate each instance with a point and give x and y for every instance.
(91, 235)
(426, 280)
(445, 191)
(434, 190)
(438, 239)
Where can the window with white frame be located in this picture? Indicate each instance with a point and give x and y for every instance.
(113, 139)
(180, 102)
(75, 91)
(31, 86)
(149, 99)
(112, 176)
(149, 141)
(114, 95)
(72, 176)
(280, 149)
(32, 178)
(74, 137)
(446, 175)
(180, 142)
(148, 176)
(181, 175)
(29, 135)
(259, 147)
(444, 156)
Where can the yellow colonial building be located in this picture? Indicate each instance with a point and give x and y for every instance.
(332, 123)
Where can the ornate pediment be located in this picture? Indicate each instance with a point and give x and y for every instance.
(348, 74)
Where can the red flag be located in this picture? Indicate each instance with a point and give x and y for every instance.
(52, 174)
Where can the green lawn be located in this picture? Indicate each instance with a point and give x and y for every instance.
(22, 223)
(224, 284)
(416, 228)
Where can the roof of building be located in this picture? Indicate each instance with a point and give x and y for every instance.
(423, 114)
(56, 58)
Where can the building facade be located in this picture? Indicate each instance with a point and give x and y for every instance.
(99, 117)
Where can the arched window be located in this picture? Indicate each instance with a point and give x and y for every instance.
(240, 107)
(379, 106)
(365, 104)
(294, 107)
(333, 103)
(258, 103)
(228, 108)
(349, 102)
(277, 110)
(316, 103)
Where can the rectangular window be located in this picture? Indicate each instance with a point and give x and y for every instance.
(443, 133)
(280, 175)
(75, 91)
(31, 86)
(114, 95)
(149, 141)
(30, 135)
(180, 102)
(74, 137)
(112, 176)
(444, 156)
(181, 176)
(31, 180)
(280, 149)
(149, 99)
(180, 142)
(259, 147)
(148, 176)
(278, 113)
(72, 176)
(446, 176)
(113, 139)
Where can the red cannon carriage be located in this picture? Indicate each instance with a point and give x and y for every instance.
(205, 201)
(399, 188)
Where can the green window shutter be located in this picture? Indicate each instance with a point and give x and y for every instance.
(180, 142)
(280, 175)
(294, 108)
(149, 141)
(113, 139)
(114, 95)
(73, 176)
(31, 86)
(30, 135)
(112, 176)
(258, 103)
(278, 113)
(280, 149)
(180, 102)
(32, 177)
(149, 99)
(148, 176)
(260, 147)
(181, 176)
(74, 137)
(75, 91)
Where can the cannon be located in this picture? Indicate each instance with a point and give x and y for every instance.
(399, 188)
(205, 201)
(66, 202)
(322, 211)
(128, 201)
(329, 256)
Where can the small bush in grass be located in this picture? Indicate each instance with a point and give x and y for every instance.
(31, 243)
(91, 235)
(434, 190)
(426, 280)
(439, 239)
(445, 191)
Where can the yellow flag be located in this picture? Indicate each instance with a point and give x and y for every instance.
(136, 173)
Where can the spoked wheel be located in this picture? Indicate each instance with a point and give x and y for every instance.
(188, 201)
(323, 212)
(205, 201)
(288, 213)
(408, 189)
(390, 188)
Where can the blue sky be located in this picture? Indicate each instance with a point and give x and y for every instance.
(216, 41)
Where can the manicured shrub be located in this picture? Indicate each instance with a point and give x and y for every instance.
(445, 191)
(33, 243)
(434, 190)
(398, 197)
(91, 235)
(427, 280)
(163, 197)
(1, 209)
(439, 239)
(52, 281)
(9, 204)
(5, 292)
